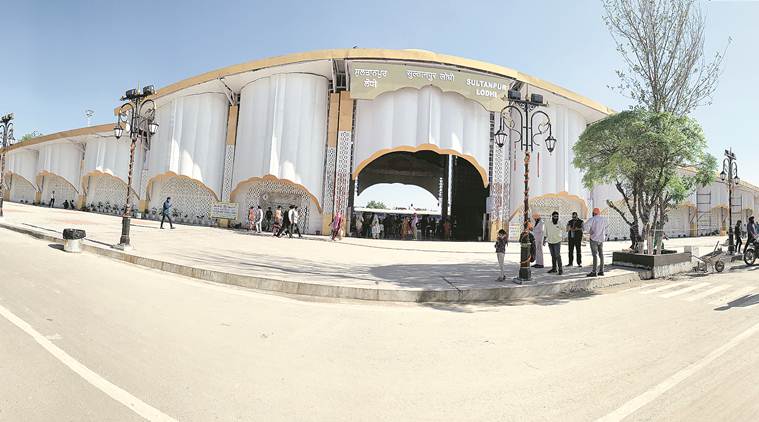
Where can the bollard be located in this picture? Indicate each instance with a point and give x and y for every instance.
(72, 240)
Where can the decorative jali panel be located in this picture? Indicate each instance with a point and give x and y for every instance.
(271, 193)
(616, 227)
(22, 190)
(189, 198)
(545, 206)
(500, 185)
(103, 189)
(63, 190)
(229, 161)
(343, 170)
(329, 179)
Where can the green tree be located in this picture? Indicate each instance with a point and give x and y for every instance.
(376, 205)
(655, 160)
(29, 136)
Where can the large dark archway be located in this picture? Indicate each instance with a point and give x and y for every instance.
(452, 180)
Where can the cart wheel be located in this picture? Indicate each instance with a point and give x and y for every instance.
(719, 266)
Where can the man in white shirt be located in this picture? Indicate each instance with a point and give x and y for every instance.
(259, 219)
(554, 230)
(596, 228)
(294, 221)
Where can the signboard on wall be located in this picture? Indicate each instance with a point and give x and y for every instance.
(225, 210)
(370, 79)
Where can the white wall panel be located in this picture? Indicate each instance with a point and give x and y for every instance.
(412, 117)
(22, 162)
(191, 139)
(554, 172)
(282, 130)
(107, 155)
(62, 159)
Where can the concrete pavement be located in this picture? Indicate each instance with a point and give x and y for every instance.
(201, 351)
(353, 268)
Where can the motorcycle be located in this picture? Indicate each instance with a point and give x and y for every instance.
(749, 256)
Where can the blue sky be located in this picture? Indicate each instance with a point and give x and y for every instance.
(60, 58)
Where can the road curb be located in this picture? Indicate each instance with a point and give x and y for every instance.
(346, 292)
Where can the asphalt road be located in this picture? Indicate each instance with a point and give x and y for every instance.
(86, 338)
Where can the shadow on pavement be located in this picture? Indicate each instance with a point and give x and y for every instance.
(57, 246)
(495, 305)
(741, 302)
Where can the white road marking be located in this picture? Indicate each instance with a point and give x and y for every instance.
(664, 287)
(633, 405)
(678, 292)
(136, 405)
(709, 292)
(735, 295)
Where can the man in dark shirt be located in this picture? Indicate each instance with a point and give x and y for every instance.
(574, 235)
(269, 215)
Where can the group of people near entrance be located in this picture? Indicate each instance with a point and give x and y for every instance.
(538, 233)
(403, 227)
(278, 222)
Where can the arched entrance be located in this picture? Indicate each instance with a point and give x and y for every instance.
(455, 182)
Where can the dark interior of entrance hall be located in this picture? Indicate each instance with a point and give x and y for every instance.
(454, 181)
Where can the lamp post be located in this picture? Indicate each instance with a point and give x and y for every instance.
(729, 175)
(533, 124)
(137, 118)
(6, 126)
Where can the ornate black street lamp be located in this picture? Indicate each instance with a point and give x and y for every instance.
(6, 126)
(534, 125)
(729, 175)
(137, 118)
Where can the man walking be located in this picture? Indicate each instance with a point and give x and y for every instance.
(52, 200)
(553, 236)
(269, 215)
(259, 219)
(166, 212)
(285, 223)
(539, 233)
(294, 216)
(574, 238)
(751, 230)
(596, 227)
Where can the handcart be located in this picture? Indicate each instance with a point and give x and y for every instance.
(713, 259)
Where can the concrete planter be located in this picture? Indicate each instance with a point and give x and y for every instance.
(655, 266)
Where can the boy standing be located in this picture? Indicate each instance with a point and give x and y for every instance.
(500, 251)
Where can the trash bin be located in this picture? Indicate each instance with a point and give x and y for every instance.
(72, 240)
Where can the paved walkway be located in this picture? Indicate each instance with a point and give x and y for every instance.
(361, 263)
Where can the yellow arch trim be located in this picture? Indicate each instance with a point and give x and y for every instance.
(47, 173)
(171, 174)
(272, 177)
(561, 195)
(109, 174)
(423, 147)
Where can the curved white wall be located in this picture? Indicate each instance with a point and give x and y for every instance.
(61, 159)
(191, 139)
(107, 155)
(412, 117)
(23, 162)
(554, 172)
(282, 130)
